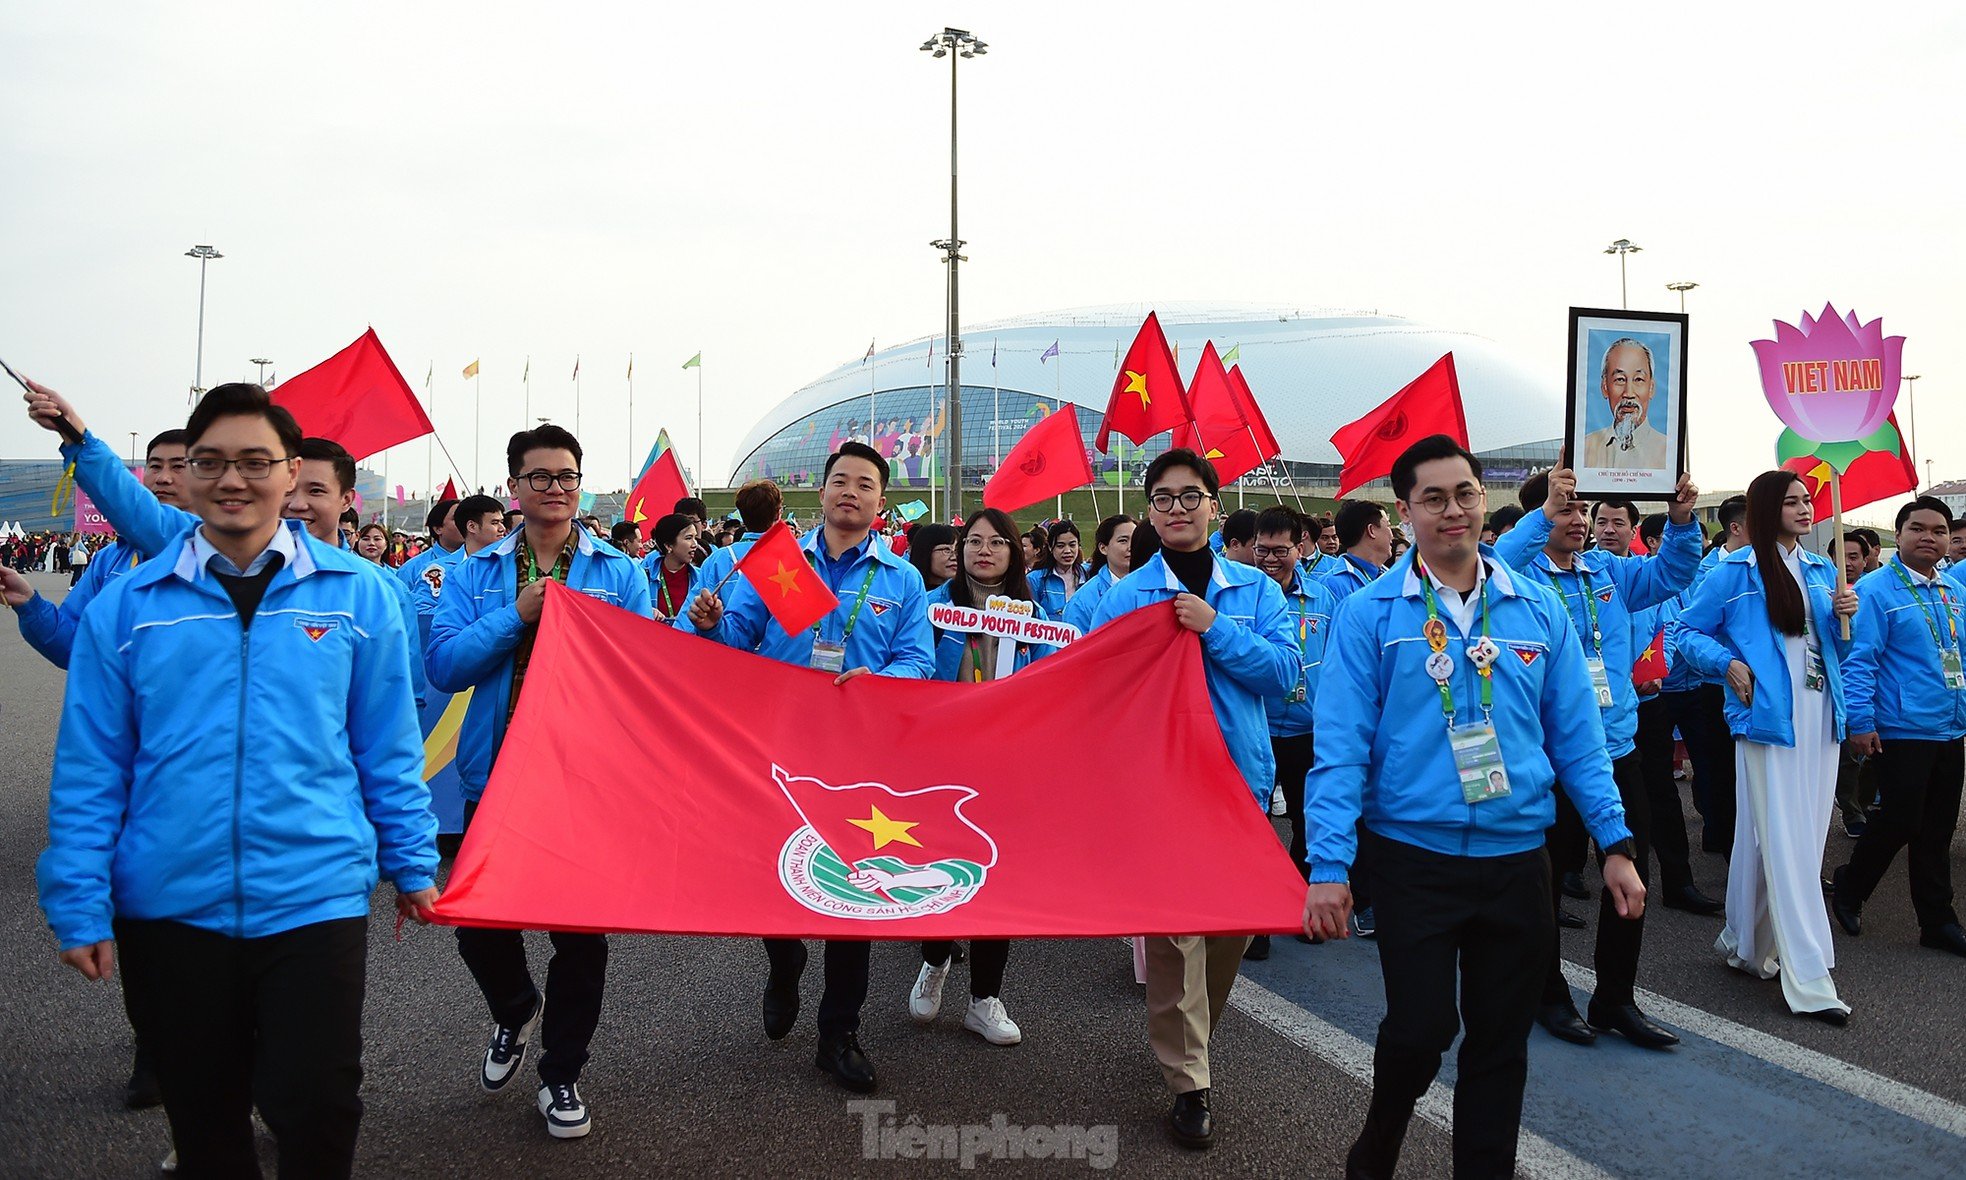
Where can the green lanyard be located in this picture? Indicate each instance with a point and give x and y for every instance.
(866, 583)
(532, 566)
(1487, 672)
(1925, 607)
(1590, 604)
(662, 588)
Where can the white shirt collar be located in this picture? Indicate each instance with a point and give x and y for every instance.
(1461, 606)
(1918, 579)
(206, 556)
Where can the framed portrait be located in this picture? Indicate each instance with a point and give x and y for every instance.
(1625, 417)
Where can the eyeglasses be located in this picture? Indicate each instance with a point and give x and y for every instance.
(211, 467)
(1265, 552)
(986, 543)
(542, 480)
(1468, 497)
(1189, 500)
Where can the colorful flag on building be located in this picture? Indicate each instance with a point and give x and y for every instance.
(695, 362)
(1048, 353)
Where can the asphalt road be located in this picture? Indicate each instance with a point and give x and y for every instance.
(682, 1078)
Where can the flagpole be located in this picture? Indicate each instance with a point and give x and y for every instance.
(631, 422)
(430, 404)
(576, 397)
(477, 427)
(996, 412)
(872, 383)
(1058, 406)
(385, 491)
(526, 380)
(699, 423)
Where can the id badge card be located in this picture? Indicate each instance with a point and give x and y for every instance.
(1600, 682)
(829, 657)
(1478, 761)
(1813, 677)
(1298, 695)
(1955, 675)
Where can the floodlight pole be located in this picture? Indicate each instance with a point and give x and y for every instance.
(953, 44)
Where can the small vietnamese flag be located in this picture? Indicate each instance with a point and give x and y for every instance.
(1147, 396)
(1651, 663)
(655, 494)
(791, 589)
(1429, 405)
(1048, 461)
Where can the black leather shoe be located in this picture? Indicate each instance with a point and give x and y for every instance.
(847, 1062)
(1307, 940)
(1189, 1122)
(1948, 937)
(781, 1004)
(1628, 1022)
(1834, 1017)
(143, 1092)
(1690, 899)
(1563, 1023)
(1573, 886)
(1848, 914)
(1568, 920)
(1258, 948)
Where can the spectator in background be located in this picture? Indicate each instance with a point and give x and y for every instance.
(932, 551)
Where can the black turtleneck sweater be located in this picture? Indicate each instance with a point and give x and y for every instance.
(1191, 569)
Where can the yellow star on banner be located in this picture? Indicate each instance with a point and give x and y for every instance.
(1212, 454)
(787, 579)
(638, 516)
(1137, 383)
(886, 831)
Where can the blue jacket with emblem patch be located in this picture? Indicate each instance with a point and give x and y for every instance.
(1248, 653)
(1382, 745)
(1348, 575)
(259, 794)
(1893, 681)
(477, 627)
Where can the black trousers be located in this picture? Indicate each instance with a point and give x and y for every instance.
(987, 958)
(1293, 755)
(1856, 786)
(1618, 939)
(576, 978)
(1668, 822)
(1920, 786)
(1448, 924)
(234, 1023)
(1569, 844)
(846, 980)
(1701, 715)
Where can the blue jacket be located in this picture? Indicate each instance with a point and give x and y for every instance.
(720, 561)
(1317, 563)
(411, 571)
(1348, 575)
(949, 644)
(425, 583)
(1680, 676)
(244, 782)
(1085, 604)
(150, 526)
(1893, 684)
(1048, 591)
(652, 570)
(50, 629)
(477, 628)
(1619, 586)
(1727, 620)
(1382, 746)
(1308, 608)
(1249, 653)
(891, 637)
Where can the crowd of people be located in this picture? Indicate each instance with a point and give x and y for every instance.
(1442, 701)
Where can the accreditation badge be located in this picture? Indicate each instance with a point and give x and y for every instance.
(1600, 682)
(828, 657)
(1813, 677)
(1478, 761)
(1955, 676)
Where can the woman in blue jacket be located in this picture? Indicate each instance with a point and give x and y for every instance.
(1059, 573)
(1112, 559)
(1768, 619)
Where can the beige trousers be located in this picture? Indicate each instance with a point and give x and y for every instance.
(1188, 982)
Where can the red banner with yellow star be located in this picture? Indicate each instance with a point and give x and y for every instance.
(1148, 397)
(880, 808)
(792, 590)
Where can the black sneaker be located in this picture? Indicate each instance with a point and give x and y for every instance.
(142, 1092)
(566, 1114)
(507, 1050)
(1364, 924)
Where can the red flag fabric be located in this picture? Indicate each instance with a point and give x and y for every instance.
(1222, 428)
(1430, 404)
(787, 829)
(1048, 461)
(1651, 664)
(791, 589)
(1876, 475)
(1147, 394)
(656, 493)
(450, 490)
(356, 397)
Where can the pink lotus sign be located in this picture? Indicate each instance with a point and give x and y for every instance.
(1831, 379)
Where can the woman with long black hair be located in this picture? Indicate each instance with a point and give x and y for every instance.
(1769, 619)
(1112, 559)
(1059, 573)
(932, 551)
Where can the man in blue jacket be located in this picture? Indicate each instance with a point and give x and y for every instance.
(446, 546)
(223, 826)
(1698, 703)
(1249, 653)
(1455, 806)
(1365, 544)
(1601, 590)
(482, 639)
(880, 627)
(759, 504)
(1905, 692)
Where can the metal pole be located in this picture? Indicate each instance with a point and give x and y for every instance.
(955, 322)
(699, 425)
(1624, 294)
(199, 379)
(1911, 396)
(477, 428)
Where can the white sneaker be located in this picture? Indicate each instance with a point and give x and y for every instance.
(925, 999)
(987, 1019)
(170, 1162)
(1278, 805)
(507, 1050)
(566, 1112)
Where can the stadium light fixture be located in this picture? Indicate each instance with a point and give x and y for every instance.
(965, 44)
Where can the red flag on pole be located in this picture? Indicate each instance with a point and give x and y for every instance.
(1873, 476)
(786, 829)
(1147, 396)
(1429, 405)
(656, 493)
(1048, 461)
(792, 590)
(450, 490)
(357, 398)
(1226, 428)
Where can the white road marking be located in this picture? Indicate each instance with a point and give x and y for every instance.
(1854, 1080)
(1535, 1155)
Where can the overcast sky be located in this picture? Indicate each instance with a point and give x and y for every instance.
(760, 182)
